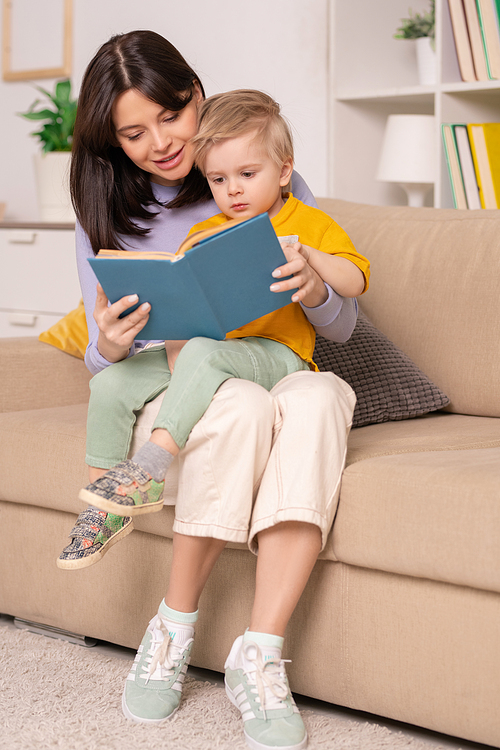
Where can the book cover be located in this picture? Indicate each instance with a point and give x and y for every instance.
(491, 36)
(462, 43)
(220, 284)
(476, 40)
(482, 166)
(453, 164)
(467, 166)
(491, 132)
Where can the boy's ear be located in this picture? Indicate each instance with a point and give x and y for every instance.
(286, 172)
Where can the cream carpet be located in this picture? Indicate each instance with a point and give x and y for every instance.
(57, 695)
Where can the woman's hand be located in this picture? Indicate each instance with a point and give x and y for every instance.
(116, 335)
(312, 291)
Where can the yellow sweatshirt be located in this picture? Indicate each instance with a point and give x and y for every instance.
(316, 229)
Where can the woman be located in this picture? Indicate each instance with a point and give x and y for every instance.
(134, 186)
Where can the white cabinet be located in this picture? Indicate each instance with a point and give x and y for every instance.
(38, 277)
(374, 75)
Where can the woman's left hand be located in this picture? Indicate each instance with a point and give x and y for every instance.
(311, 288)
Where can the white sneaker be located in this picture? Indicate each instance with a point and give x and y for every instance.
(153, 687)
(256, 683)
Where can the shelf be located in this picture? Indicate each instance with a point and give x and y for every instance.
(404, 92)
(426, 93)
(373, 76)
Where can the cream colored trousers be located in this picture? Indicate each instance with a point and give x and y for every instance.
(258, 458)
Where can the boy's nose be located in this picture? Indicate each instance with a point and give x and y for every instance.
(233, 187)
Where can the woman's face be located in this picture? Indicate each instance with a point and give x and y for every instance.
(154, 138)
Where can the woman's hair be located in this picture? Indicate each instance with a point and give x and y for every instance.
(236, 113)
(108, 190)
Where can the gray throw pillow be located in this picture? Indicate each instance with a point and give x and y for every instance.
(387, 384)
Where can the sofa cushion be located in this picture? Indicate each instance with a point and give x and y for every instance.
(43, 451)
(435, 292)
(387, 384)
(424, 507)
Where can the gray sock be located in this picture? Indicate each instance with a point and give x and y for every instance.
(154, 459)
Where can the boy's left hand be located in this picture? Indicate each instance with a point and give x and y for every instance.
(311, 288)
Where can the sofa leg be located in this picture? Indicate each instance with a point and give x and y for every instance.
(51, 632)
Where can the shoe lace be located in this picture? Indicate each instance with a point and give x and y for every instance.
(269, 677)
(163, 653)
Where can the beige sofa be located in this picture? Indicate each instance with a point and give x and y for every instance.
(401, 616)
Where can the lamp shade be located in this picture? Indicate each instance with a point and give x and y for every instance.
(408, 150)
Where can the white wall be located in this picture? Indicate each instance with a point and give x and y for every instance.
(279, 46)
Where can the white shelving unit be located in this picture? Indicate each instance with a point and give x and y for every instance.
(374, 75)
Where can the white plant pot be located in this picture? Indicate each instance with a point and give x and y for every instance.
(426, 61)
(52, 182)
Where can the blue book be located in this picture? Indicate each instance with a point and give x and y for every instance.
(220, 284)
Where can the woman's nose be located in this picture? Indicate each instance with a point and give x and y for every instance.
(160, 141)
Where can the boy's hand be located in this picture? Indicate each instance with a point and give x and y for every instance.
(311, 288)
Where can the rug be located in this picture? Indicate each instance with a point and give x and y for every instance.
(54, 694)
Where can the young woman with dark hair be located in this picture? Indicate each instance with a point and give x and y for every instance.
(134, 186)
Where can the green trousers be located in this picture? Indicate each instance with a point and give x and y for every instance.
(119, 391)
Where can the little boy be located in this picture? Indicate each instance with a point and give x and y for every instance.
(245, 150)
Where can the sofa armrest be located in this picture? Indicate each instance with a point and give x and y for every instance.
(34, 375)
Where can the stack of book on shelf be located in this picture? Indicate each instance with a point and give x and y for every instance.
(476, 30)
(473, 157)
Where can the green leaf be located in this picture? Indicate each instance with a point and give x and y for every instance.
(43, 114)
(63, 91)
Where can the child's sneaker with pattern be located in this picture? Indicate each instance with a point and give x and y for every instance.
(256, 683)
(126, 489)
(94, 533)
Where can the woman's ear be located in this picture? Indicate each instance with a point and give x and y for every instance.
(286, 172)
(198, 94)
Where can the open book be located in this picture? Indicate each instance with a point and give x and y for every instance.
(218, 280)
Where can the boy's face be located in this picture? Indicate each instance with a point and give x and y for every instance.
(243, 179)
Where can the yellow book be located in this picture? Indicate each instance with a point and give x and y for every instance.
(492, 138)
(485, 146)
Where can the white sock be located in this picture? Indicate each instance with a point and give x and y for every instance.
(270, 645)
(180, 624)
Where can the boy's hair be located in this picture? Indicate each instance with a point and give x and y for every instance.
(236, 113)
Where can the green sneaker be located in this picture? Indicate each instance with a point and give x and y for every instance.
(257, 685)
(94, 533)
(154, 684)
(126, 490)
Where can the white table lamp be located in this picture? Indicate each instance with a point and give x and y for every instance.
(408, 155)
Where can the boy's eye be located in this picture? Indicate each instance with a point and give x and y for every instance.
(248, 174)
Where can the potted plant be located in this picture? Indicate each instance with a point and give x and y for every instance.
(421, 27)
(52, 164)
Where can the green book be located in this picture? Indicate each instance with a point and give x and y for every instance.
(488, 12)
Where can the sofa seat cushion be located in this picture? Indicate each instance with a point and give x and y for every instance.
(432, 432)
(428, 508)
(42, 454)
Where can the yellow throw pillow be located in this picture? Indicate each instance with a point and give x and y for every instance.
(70, 334)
